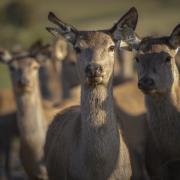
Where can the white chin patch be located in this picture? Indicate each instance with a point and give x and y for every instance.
(123, 44)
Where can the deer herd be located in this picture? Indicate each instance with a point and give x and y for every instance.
(80, 112)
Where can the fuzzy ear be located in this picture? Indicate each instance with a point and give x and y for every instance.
(42, 54)
(124, 29)
(126, 25)
(66, 30)
(36, 45)
(174, 38)
(5, 56)
(60, 49)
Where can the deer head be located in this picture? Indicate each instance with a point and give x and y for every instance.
(156, 65)
(24, 66)
(96, 49)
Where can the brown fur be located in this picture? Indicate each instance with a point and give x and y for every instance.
(86, 142)
(7, 102)
(34, 115)
(131, 113)
(156, 60)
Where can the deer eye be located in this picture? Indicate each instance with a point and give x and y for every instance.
(77, 49)
(111, 48)
(168, 59)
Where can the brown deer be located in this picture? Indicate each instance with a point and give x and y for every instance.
(64, 58)
(159, 81)
(30, 112)
(8, 119)
(129, 100)
(85, 142)
(49, 81)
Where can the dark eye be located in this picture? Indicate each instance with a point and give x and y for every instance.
(168, 59)
(77, 49)
(137, 59)
(111, 48)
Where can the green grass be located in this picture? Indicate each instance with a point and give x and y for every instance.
(4, 78)
(155, 16)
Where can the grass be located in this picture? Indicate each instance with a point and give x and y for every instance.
(155, 16)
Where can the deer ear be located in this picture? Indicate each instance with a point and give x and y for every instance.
(36, 45)
(5, 56)
(60, 49)
(174, 38)
(125, 25)
(43, 53)
(124, 29)
(66, 30)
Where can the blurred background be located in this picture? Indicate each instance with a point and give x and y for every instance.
(24, 21)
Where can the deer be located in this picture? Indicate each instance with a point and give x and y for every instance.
(85, 141)
(158, 79)
(124, 67)
(128, 98)
(33, 115)
(8, 118)
(49, 81)
(64, 58)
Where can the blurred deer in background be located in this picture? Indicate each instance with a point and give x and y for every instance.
(8, 131)
(124, 67)
(65, 58)
(50, 89)
(31, 122)
(31, 115)
(49, 80)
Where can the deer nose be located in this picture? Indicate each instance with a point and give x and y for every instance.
(146, 83)
(93, 70)
(23, 82)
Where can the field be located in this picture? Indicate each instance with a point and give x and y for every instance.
(155, 17)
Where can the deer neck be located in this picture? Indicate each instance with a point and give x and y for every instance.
(97, 107)
(31, 118)
(99, 126)
(164, 115)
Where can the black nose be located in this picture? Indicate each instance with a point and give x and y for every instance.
(23, 82)
(93, 70)
(146, 83)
